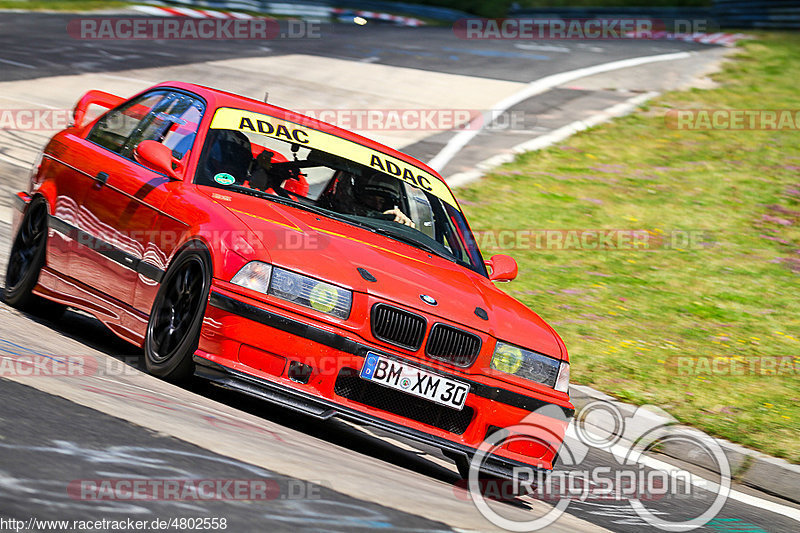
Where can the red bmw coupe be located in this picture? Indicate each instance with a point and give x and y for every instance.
(293, 261)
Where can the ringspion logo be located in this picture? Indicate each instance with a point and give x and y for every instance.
(631, 478)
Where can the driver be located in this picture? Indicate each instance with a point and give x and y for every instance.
(382, 193)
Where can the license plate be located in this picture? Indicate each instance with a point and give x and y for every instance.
(412, 380)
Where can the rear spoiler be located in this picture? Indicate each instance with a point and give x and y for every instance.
(99, 98)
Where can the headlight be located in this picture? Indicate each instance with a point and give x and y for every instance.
(293, 287)
(530, 365)
(254, 275)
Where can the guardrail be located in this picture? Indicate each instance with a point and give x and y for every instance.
(307, 8)
(445, 14)
(773, 14)
(776, 14)
(324, 8)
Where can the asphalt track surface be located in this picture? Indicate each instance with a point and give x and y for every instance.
(41, 43)
(330, 476)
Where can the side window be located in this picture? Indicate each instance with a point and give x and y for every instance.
(182, 131)
(114, 129)
(173, 122)
(420, 210)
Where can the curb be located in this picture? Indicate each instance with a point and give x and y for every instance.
(724, 39)
(768, 474)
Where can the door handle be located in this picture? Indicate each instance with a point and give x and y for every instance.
(101, 178)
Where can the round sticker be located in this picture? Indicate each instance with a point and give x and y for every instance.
(223, 178)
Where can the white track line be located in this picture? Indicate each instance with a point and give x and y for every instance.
(23, 100)
(548, 139)
(704, 484)
(126, 78)
(16, 63)
(16, 162)
(539, 86)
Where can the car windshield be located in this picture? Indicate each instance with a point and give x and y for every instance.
(284, 162)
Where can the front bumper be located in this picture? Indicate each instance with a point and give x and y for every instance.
(237, 327)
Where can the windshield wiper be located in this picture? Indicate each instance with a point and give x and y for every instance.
(308, 207)
(408, 240)
(343, 218)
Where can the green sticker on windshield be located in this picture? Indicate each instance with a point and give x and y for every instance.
(223, 178)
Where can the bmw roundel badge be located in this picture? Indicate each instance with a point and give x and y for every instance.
(430, 300)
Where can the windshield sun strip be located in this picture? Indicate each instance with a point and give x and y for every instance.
(284, 130)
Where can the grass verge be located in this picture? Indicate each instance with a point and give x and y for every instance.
(636, 318)
(62, 5)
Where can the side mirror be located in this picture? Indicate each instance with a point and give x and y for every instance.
(503, 268)
(156, 156)
(98, 98)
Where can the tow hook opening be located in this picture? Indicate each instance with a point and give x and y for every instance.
(300, 373)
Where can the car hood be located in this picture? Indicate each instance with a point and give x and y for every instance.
(334, 251)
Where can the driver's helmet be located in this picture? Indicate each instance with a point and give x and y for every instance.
(380, 192)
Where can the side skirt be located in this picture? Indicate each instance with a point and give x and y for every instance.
(126, 322)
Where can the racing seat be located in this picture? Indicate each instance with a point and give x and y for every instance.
(230, 153)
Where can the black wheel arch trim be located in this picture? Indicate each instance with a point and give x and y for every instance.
(341, 343)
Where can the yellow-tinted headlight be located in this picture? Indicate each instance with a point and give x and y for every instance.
(323, 297)
(507, 358)
(531, 365)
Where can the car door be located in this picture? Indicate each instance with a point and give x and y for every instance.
(74, 166)
(122, 209)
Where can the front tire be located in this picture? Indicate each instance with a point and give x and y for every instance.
(25, 262)
(173, 331)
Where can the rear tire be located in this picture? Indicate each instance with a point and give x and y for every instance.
(25, 262)
(173, 331)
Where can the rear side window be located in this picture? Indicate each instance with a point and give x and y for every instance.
(114, 129)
